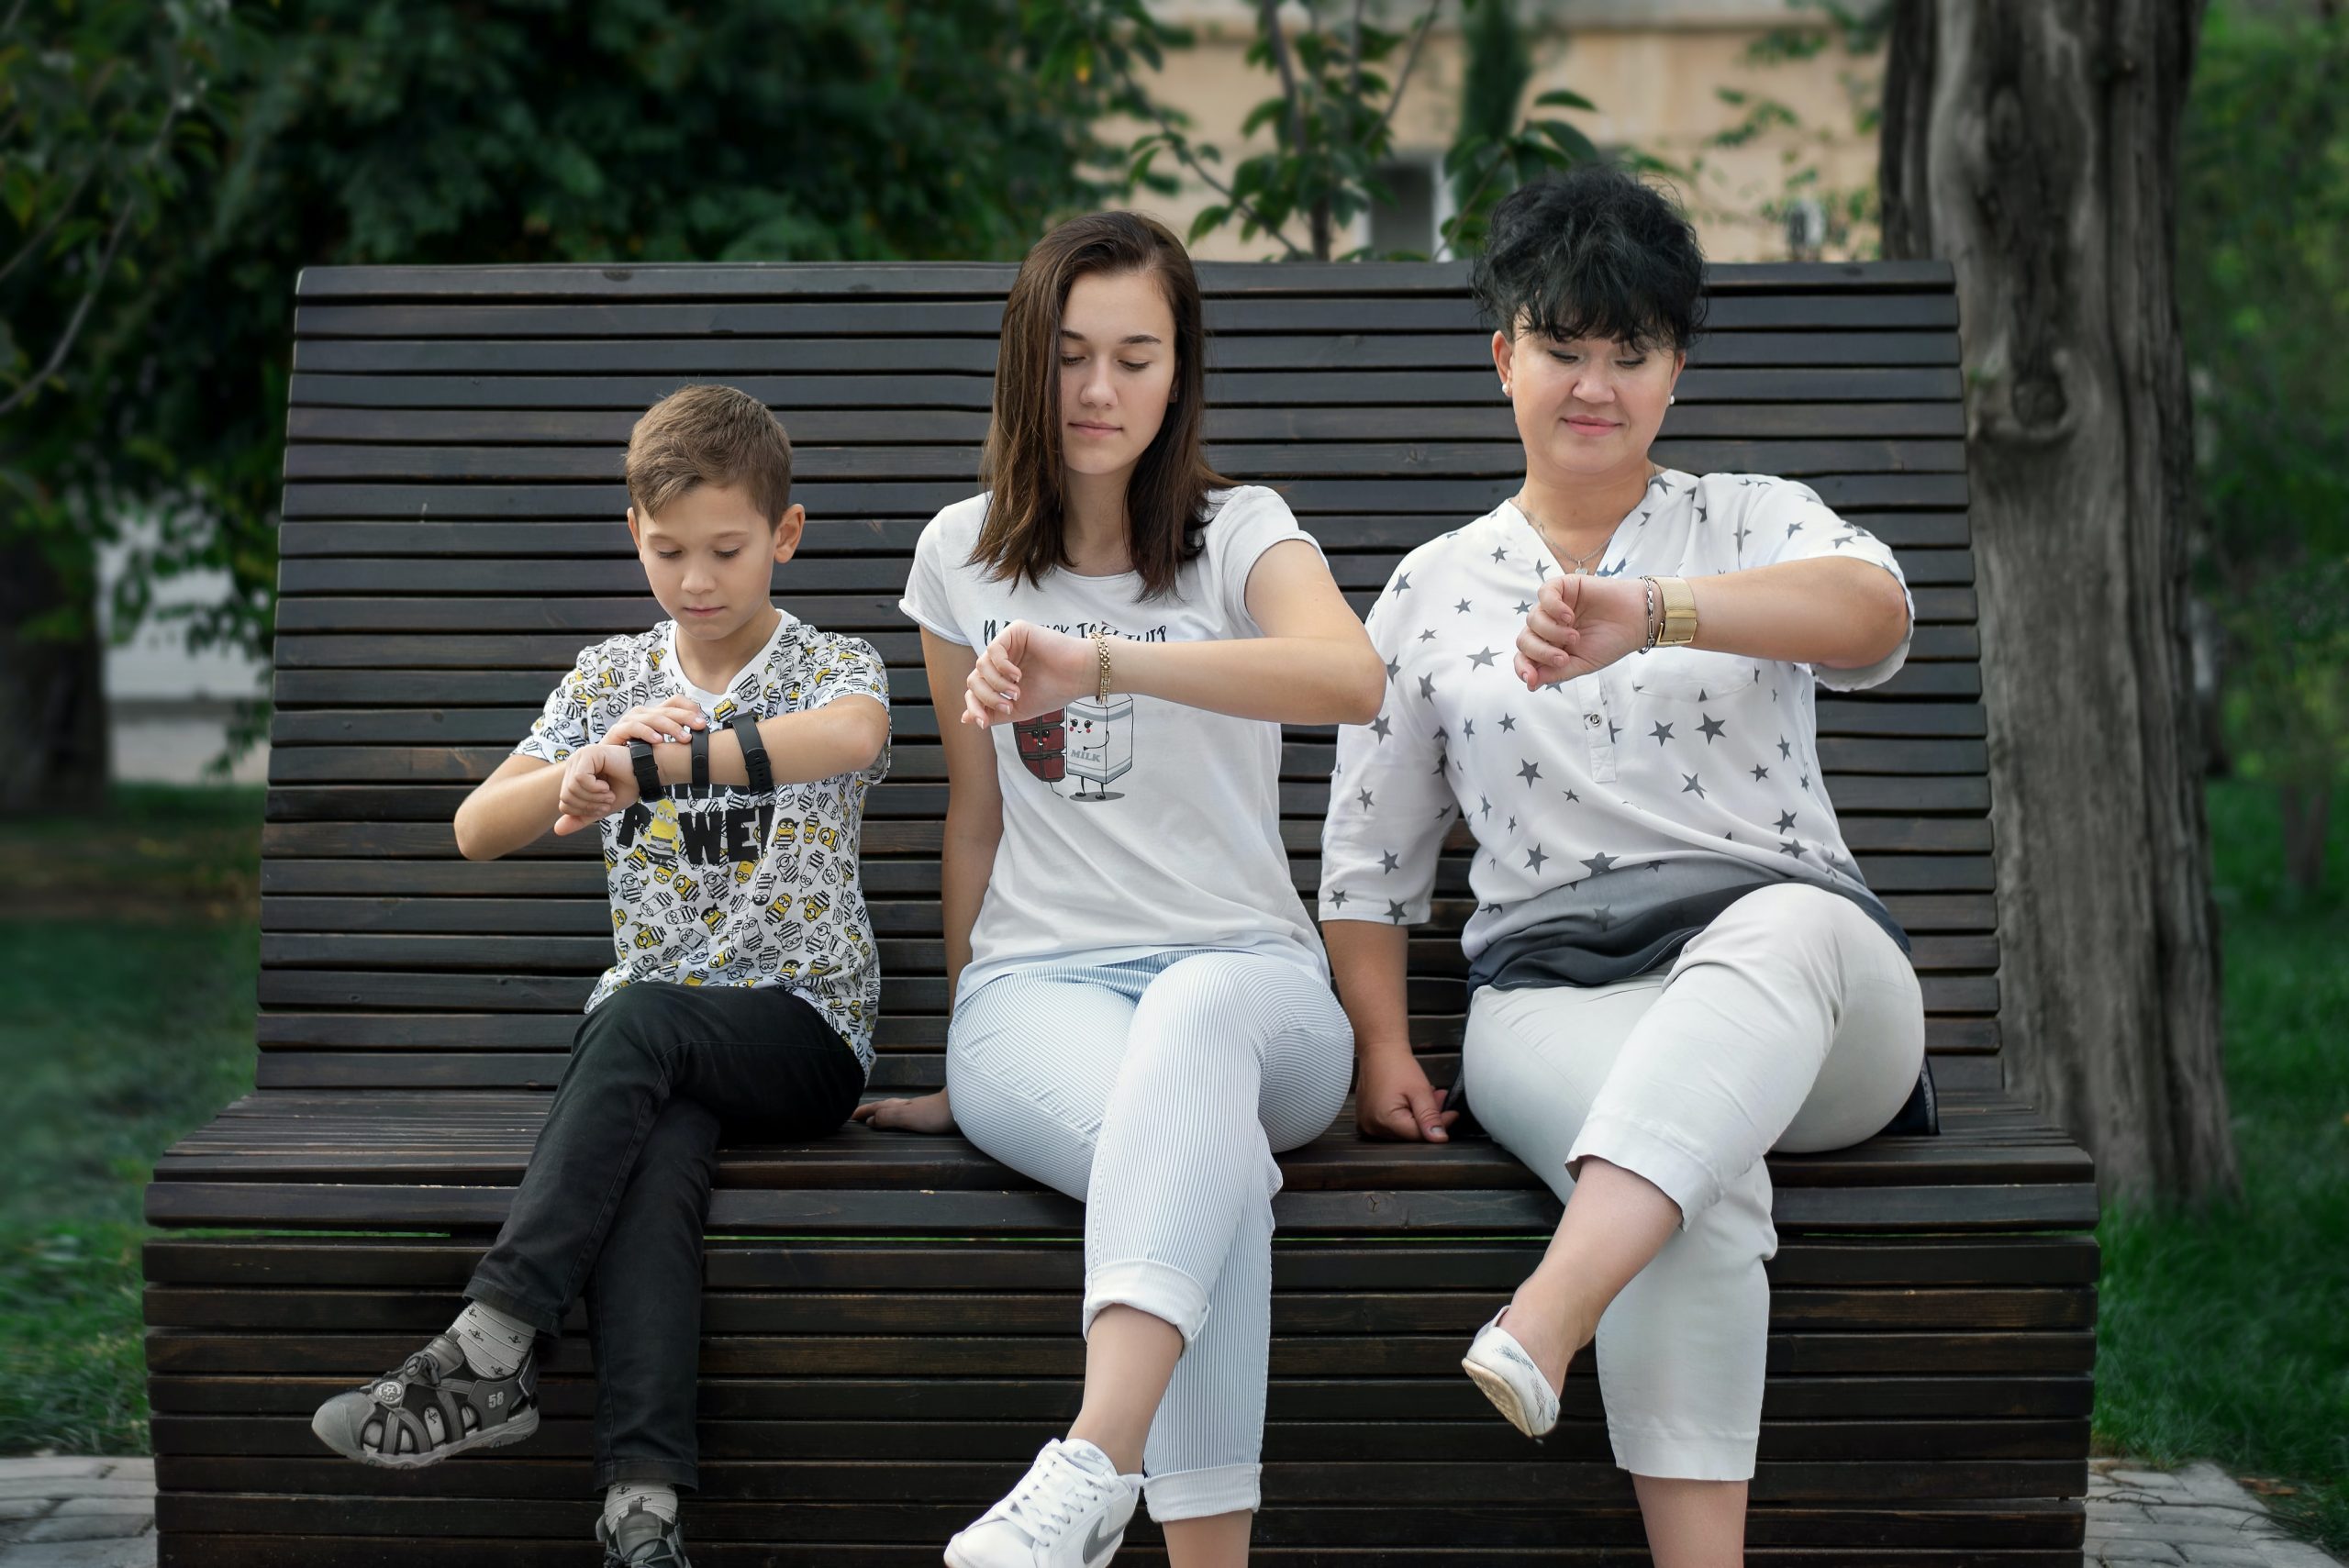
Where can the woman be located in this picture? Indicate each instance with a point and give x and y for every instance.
(1142, 1015)
(1674, 964)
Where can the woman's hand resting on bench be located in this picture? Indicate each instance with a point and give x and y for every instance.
(930, 1113)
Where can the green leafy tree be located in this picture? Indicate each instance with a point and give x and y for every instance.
(1495, 151)
(2263, 299)
(499, 131)
(1339, 79)
(107, 114)
(1818, 217)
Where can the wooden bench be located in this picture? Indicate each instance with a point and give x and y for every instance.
(890, 1320)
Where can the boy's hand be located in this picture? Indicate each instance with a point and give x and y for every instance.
(675, 719)
(597, 782)
(930, 1113)
(1028, 669)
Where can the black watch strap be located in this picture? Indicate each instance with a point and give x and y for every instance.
(700, 744)
(647, 772)
(755, 752)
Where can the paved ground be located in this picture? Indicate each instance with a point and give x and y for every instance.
(2195, 1516)
(99, 1513)
(77, 1513)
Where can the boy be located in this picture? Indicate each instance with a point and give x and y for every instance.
(725, 755)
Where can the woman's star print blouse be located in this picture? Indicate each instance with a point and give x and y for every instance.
(1604, 809)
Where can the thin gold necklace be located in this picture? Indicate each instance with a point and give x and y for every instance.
(1581, 568)
(1581, 562)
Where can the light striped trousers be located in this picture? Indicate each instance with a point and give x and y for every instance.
(1158, 1091)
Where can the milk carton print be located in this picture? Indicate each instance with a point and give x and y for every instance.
(1100, 740)
(1092, 742)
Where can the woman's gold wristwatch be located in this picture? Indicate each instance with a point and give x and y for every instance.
(1676, 625)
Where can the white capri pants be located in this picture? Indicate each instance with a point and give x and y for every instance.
(1792, 1022)
(1158, 1091)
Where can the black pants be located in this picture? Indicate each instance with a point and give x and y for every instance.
(617, 1189)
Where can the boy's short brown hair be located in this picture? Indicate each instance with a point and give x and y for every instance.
(709, 435)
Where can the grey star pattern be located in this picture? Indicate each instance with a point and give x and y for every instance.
(1602, 711)
(1365, 798)
(1388, 861)
(1604, 916)
(1338, 898)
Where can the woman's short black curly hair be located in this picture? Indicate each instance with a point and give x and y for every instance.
(1592, 252)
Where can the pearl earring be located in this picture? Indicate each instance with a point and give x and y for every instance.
(1504, 389)
(1670, 397)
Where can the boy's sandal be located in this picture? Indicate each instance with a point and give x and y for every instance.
(660, 1547)
(420, 1415)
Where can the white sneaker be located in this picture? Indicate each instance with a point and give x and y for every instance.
(1069, 1511)
(1511, 1380)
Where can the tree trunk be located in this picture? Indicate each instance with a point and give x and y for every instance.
(52, 694)
(2035, 145)
(2308, 819)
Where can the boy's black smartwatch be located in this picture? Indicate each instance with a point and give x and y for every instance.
(755, 752)
(647, 772)
(700, 747)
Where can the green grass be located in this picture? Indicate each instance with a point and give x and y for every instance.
(133, 939)
(2225, 1334)
(133, 942)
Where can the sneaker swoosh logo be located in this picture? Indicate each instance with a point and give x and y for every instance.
(1099, 1546)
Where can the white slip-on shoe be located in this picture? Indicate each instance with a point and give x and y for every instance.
(1069, 1511)
(1501, 1367)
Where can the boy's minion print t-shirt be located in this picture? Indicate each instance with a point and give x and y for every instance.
(723, 885)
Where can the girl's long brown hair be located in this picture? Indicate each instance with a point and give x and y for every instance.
(1021, 465)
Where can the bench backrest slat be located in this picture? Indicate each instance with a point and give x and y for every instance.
(453, 537)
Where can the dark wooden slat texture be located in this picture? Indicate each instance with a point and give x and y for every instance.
(451, 537)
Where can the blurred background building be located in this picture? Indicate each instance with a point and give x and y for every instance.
(1757, 104)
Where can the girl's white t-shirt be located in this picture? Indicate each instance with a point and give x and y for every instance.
(1140, 825)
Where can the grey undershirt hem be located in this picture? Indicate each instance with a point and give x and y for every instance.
(1627, 920)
